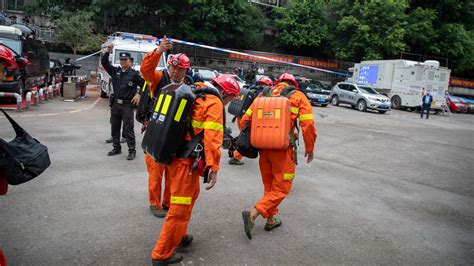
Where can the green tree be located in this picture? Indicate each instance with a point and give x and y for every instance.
(420, 31)
(235, 24)
(303, 27)
(75, 30)
(372, 29)
(457, 44)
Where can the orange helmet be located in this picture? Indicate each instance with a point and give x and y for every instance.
(227, 83)
(265, 81)
(179, 60)
(287, 77)
(6, 56)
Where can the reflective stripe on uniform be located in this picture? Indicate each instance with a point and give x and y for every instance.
(288, 176)
(207, 125)
(306, 117)
(181, 200)
(144, 86)
(249, 112)
(294, 110)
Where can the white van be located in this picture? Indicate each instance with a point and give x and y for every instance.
(138, 45)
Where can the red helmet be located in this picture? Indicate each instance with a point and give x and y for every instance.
(6, 56)
(287, 77)
(227, 83)
(265, 81)
(179, 60)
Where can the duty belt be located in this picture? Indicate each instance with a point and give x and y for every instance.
(120, 101)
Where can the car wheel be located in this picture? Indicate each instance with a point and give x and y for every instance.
(335, 100)
(396, 102)
(361, 105)
(382, 111)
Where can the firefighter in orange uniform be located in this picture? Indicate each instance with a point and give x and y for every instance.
(207, 116)
(277, 167)
(158, 79)
(261, 83)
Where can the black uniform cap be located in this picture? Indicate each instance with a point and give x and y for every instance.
(124, 55)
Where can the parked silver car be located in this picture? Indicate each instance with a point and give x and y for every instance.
(362, 97)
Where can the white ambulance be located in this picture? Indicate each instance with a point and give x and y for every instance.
(404, 81)
(138, 45)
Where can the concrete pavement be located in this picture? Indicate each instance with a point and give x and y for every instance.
(383, 189)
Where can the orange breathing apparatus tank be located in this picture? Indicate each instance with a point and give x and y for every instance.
(271, 121)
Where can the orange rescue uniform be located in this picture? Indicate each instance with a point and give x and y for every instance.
(277, 167)
(207, 115)
(155, 170)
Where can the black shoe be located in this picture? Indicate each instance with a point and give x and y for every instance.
(176, 258)
(123, 140)
(160, 213)
(186, 241)
(131, 155)
(114, 152)
(165, 207)
(248, 224)
(109, 140)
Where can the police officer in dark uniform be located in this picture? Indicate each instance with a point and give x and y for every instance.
(125, 81)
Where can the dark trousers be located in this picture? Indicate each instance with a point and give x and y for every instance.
(425, 107)
(119, 113)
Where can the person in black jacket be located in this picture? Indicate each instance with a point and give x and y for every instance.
(125, 82)
(426, 104)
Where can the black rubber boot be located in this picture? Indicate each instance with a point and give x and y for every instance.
(176, 258)
(114, 152)
(160, 213)
(131, 155)
(186, 241)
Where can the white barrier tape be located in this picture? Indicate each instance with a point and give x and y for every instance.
(233, 52)
(87, 56)
(255, 56)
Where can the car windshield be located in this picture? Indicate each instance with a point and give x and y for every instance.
(137, 57)
(317, 83)
(314, 88)
(238, 78)
(13, 44)
(207, 74)
(368, 90)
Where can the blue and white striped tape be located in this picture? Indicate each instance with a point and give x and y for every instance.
(235, 52)
(255, 56)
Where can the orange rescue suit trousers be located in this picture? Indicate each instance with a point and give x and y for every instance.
(278, 171)
(184, 192)
(155, 177)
